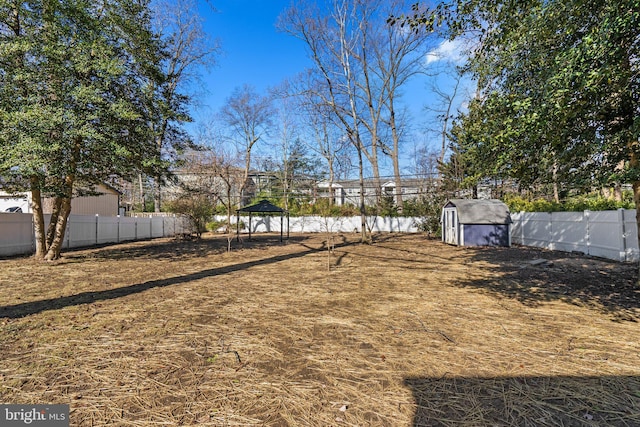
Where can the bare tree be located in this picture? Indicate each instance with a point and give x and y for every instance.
(318, 128)
(286, 128)
(249, 117)
(194, 195)
(331, 43)
(399, 56)
(225, 166)
(445, 102)
(189, 48)
(361, 65)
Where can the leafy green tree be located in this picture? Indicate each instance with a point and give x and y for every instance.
(558, 88)
(72, 76)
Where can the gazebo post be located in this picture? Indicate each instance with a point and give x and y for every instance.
(287, 225)
(249, 225)
(237, 225)
(281, 230)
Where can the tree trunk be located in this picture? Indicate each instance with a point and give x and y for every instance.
(395, 155)
(55, 249)
(142, 200)
(363, 210)
(55, 213)
(38, 218)
(245, 178)
(157, 203)
(636, 200)
(556, 194)
(332, 191)
(617, 192)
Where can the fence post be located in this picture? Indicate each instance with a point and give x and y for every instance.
(632, 252)
(67, 232)
(587, 218)
(623, 233)
(33, 235)
(552, 237)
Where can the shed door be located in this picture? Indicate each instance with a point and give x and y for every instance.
(451, 226)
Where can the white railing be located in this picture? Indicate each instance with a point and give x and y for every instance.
(606, 234)
(17, 238)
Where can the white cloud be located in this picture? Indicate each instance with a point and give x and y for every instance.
(449, 51)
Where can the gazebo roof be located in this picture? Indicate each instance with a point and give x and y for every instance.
(263, 206)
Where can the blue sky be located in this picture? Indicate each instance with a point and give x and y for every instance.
(254, 52)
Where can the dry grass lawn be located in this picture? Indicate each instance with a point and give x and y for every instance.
(401, 332)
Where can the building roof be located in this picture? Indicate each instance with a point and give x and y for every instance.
(476, 211)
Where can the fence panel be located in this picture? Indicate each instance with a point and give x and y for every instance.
(569, 231)
(536, 229)
(606, 238)
(157, 227)
(143, 228)
(169, 226)
(515, 231)
(606, 234)
(127, 229)
(108, 229)
(16, 234)
(81, 231)
(630, 228)
(183, 225)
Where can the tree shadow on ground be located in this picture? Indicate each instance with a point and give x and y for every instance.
(534, 276)
(209, 244)
(168, 250)
(33, 307)
(527, 401)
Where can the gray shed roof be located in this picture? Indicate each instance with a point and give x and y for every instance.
(475, 211)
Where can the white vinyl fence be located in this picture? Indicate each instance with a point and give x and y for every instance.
(606, 234)
(17, 238)
(319, 224)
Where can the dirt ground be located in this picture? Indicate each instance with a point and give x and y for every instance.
(401, 332)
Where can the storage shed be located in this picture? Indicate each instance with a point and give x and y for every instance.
(472, 222)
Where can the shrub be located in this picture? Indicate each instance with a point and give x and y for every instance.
(198, 208)
(592, 202)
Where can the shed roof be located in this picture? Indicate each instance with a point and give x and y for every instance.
(476, 211)
(263, 206)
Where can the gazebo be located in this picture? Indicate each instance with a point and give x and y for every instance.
(263, 207)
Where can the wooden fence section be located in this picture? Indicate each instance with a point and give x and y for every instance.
(605, 234)
(17, 238)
